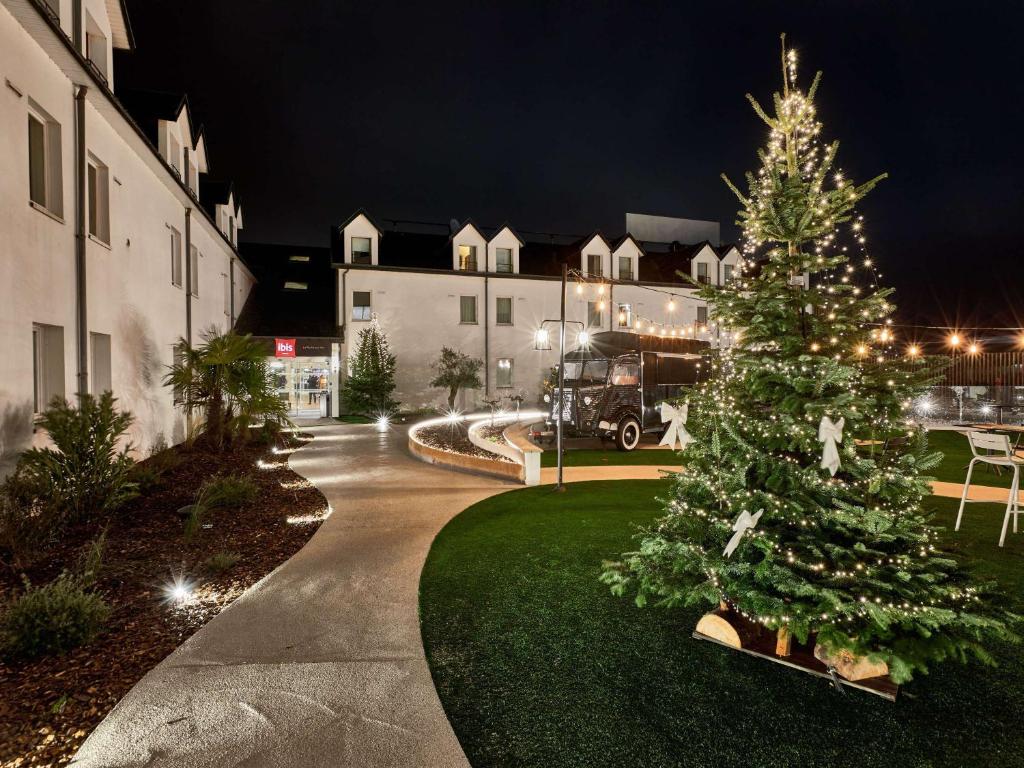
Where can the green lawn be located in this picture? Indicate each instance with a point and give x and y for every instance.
(538, 665)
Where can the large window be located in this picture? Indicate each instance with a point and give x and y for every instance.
(361, 309)
(702, 272)
(99, 200)
(175, 257)
(625, 315)
(193, 268)
(99, 344)
(467, 258)
(593, 314)
(361, 250)
(504, 374)
(626, 268)
(44, 163)
(503, 259)
(47, 364)
(625, 374)
(467, 309)
(594, 265)
(503, 310)
(727, 273)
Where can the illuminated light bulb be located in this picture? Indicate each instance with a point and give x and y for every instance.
(954, 340)
(579, 288)
(973, 349)
(671, 306)
(600, 305)
(650, 328)
(600, 290)
(913, 350)
(583, 337)
(541, 337)
(383, 422)
(815, 346)
(637, 325)
(862, 349)
(662, 331)
(622, 317)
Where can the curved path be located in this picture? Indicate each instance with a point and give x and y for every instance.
(321, 663)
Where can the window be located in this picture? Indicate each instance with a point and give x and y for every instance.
(625, 315)
(467, 309)
(174, 154)
(702, 272)
(503, 310)
(294, 285)
(626, 374)
(95, 46)
(193, 268)
(727, 273)
(361, 251)
(594, 264)
(467, 258)
(504, 377)
(503, 259)
(99, 343)
(175, 257)
(44, 163)
(625, 267)
(227, 293)
(361, 305)
(702, 315)
(47, 364)
(299, 258)
(231, 229)
(593, 314)
(99, 200)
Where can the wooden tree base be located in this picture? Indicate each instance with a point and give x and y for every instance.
(729, 629)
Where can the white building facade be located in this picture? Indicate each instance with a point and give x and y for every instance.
(493, 295)
(108, 254)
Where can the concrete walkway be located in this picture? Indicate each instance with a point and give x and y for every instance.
(321, 663)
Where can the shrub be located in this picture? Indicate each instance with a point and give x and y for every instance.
(85, 474)
(221, 562)
(27, 526)
(368, 388)
(51, 619)
(217, 492)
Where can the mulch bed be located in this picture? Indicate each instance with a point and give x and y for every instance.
(454, 438)
(49, 706)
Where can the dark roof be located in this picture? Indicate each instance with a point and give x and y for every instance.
(213, 192)
(147, 107)
(354, 216)
(423, 245)
(271, 310)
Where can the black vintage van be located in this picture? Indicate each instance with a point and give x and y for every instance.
(614, 385)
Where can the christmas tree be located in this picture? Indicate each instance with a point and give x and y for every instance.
(778, 513)
(371, 379)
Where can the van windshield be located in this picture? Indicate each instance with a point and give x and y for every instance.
(589, 373)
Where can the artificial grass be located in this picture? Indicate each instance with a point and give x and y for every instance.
(537, 664)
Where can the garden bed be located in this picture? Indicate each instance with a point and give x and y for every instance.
(454, 438)
(48, 706)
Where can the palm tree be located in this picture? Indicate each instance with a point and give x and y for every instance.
(226, 378)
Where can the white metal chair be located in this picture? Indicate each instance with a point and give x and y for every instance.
(989, 448)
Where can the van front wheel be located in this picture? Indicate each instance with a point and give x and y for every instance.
(628, 435)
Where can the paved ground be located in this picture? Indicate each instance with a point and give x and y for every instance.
(321, 663)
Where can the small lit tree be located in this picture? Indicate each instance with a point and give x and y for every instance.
(371, 380)
(456, 370)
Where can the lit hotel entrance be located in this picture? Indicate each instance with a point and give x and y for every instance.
(305, 374)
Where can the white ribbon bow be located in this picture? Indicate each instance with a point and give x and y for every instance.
(743, 523)
(830, 433)
(676, 431)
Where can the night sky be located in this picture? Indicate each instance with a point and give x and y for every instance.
(562, 117)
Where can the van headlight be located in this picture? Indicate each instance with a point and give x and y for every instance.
(587, 400)
(547, 398)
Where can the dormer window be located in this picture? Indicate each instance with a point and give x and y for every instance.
(467, 258)
(702, 272)
(727, 273)
(174, 154)
(594, 265)
(95, 47)
(503, 260)
(361, 250)
(626, 268)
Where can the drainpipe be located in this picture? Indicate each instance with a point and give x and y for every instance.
(81, 296)
(487, 330)
(188, 275)
(231, 288)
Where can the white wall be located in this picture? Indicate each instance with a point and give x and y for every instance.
(419, 312)
(129, 292)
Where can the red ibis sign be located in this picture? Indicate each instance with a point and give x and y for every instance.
(284, 347)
